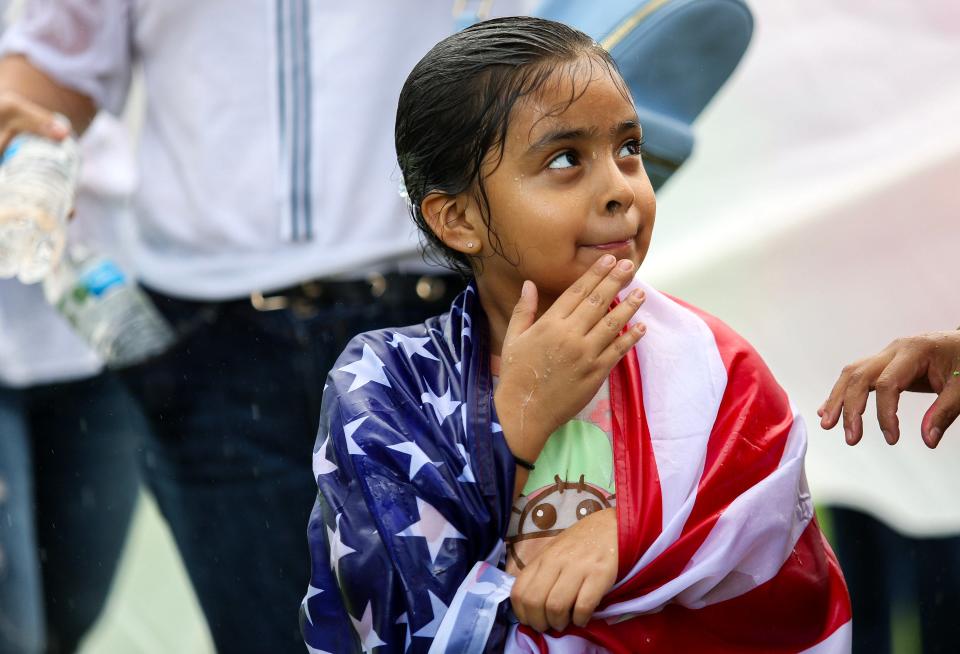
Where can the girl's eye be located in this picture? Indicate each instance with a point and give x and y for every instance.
(631, 148)
(563, 160)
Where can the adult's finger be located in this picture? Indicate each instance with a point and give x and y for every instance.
(17, 114)
(596, 304)
(831, 406)
(859, 385)
(610, 325)
(941, 413)
(892, 381)
(571, 298)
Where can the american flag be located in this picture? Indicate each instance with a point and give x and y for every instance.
(718, 547)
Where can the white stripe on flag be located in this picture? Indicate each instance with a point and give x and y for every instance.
(839, 642)
(683, 383)
(756, 533)
(518, 643)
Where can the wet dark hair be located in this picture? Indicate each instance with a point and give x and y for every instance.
(456, 103)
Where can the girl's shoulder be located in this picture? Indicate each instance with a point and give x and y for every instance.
(678, 331)
(379, 368)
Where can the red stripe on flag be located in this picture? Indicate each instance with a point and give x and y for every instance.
(801, 606)
(639, 503)
(745, 446)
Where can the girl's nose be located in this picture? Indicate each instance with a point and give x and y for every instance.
(618, 194)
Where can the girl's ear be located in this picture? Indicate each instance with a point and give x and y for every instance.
(454, 223)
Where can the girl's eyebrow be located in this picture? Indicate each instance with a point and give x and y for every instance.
(550, 138)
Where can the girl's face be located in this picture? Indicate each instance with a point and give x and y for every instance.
(570, 187)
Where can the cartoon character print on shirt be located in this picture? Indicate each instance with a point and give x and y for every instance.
(572, 479)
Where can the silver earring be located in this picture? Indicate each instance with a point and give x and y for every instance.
(470, 244)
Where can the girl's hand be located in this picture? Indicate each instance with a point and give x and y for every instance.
(924, 363)
(551, 367)
(570, 577)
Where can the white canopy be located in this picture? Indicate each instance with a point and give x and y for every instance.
(820, 217)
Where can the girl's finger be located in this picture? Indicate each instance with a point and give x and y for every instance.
(612, 324)
(941, 413)
(532, 595)
(524, 312)
(571, 298)
(621, 345)
(591, 592)
(518, 592)
(559, 603)
(596, 304)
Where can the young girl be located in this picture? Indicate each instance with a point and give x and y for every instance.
(646, 477)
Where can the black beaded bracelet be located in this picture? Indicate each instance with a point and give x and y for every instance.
(523, 463)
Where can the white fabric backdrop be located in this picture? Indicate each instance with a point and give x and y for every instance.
(820, 217)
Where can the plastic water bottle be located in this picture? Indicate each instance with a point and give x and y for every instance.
(106, 308)
(38, 180)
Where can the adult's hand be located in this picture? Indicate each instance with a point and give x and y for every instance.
(927, 363)
(30, 101)
(17, 114)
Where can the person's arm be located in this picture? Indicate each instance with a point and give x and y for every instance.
(70, 57)
(30, 100)
(926, 363)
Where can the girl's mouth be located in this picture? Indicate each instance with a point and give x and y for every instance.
(612, 245)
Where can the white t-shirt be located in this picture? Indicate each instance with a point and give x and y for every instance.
(267, 154)
(36, 344)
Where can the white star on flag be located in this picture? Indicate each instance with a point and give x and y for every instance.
(467, 474)
(412, 345)
(406, 638)
(349, 430)
(442, 405)
(418, 458)
(495, 427)
(311, 592)
(338, 549)
(433, 527)
(364, 627)
(321, 464)
(368, 368)
(439, 610)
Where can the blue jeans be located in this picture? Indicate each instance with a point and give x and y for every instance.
(68, 487)
(234, 409)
